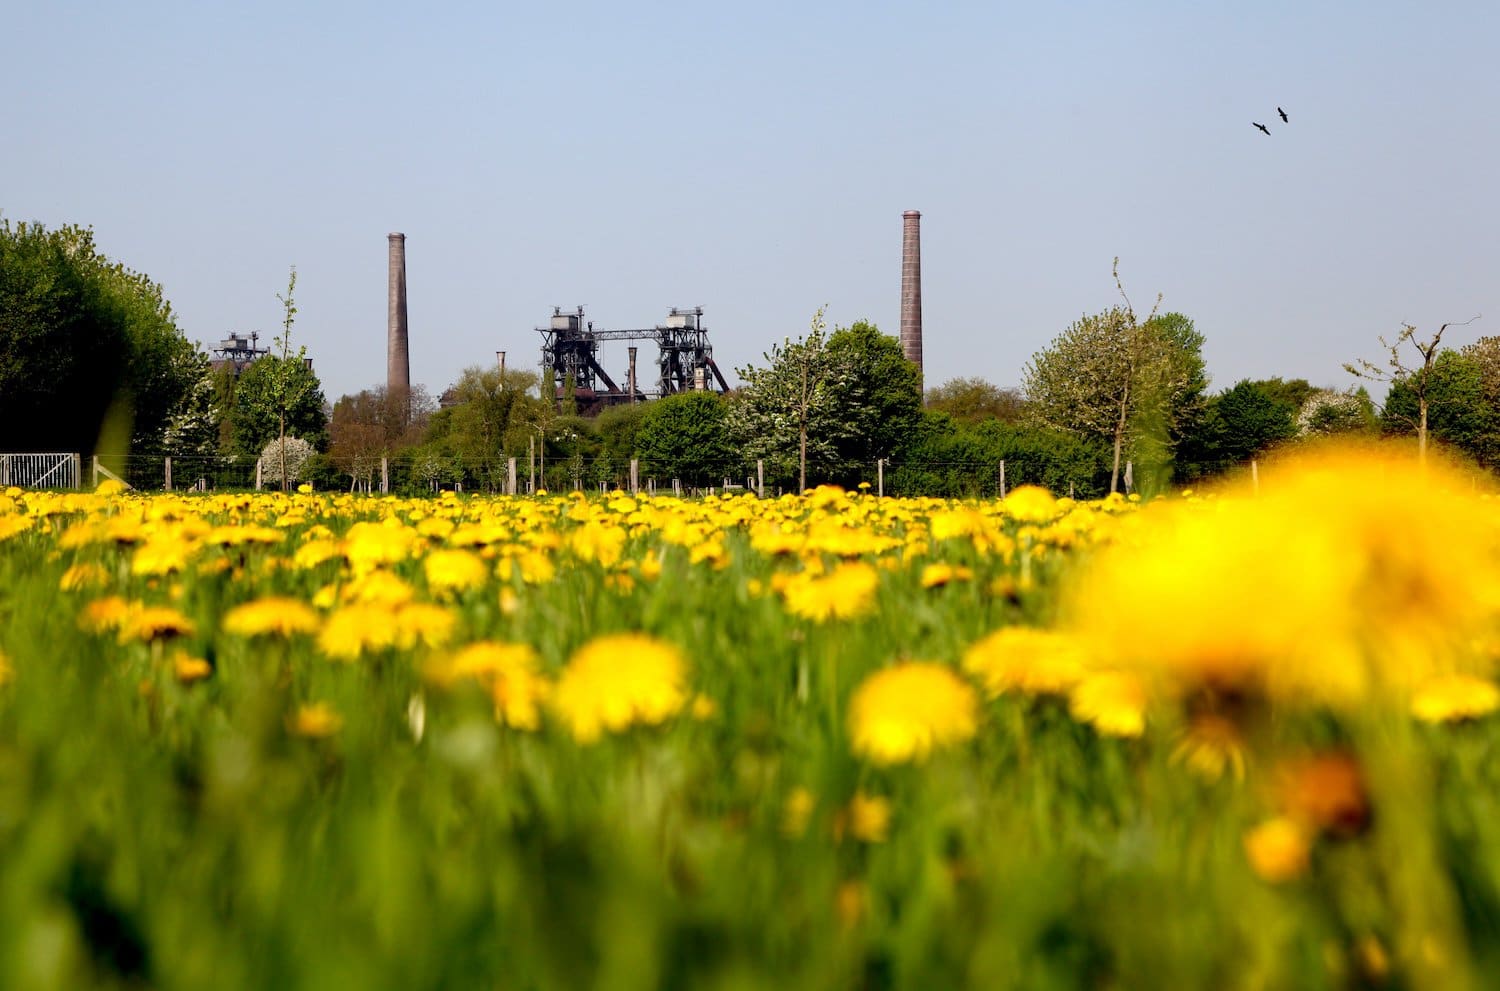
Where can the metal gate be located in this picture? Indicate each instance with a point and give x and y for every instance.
(40, 471)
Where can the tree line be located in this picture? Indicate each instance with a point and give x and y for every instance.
(92, 360)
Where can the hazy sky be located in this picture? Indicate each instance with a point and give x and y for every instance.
(755, 159)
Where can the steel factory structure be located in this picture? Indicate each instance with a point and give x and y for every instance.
(570, 344)
(570, 358)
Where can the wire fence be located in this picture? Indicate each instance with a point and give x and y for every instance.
(408, 474)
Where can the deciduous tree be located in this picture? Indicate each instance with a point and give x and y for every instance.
(787, 411)
(1119, 378)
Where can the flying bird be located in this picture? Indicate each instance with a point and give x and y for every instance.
(1262, 127)
(1283, 114)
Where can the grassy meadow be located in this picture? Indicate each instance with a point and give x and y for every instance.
(1230, 739)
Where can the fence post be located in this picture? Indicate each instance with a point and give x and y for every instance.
(635, 473)
(385, 475)
(1255, 476)
(677, 487)
(94, 472)
(169, 474)
(1002, 479)
(1129, 476)
(257, 474)
(760, 478)
(880, 477)
(510, 477)
(78, 471)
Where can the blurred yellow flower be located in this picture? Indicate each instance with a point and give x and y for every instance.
(315, 552)
(617, 681)
(1454, 698)
(797, 810)
(187, 669)
(1026, 659)
(7, 670)
(1211, 747)
(868, 818)
(161, 555)
(1354, 575)
(365, 627)
(275, 616)
(154, 623)
(450, 571)
(844, 593)
(315, 721)
(904, 712)
(939, 574)
(1113, 702)
(508, 671)
(11, 526)
(106, 614)
(1031, 504)
(372, 545)
(85, 575)
(1278, 850)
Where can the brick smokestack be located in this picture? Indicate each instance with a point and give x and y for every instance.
(397, 354)
(911, 287)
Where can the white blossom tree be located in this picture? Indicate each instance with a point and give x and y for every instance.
(1119, 378)
(787, 411)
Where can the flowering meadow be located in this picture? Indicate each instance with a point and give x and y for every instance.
(1238, 738)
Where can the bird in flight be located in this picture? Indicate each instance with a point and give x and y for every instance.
(1262, 127)
(1284, 117)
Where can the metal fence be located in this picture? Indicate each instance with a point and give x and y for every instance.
(41, 471)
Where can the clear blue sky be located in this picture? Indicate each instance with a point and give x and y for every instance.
(755, 159)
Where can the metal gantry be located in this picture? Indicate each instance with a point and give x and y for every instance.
(685, 359)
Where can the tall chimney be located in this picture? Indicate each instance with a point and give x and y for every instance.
(397, 355)
(911, 287)
(632, 375)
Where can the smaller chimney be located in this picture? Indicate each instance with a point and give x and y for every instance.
(500, 357)
(911, 287)
(631, 376)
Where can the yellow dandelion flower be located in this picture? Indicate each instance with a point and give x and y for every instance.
(867, 818)
(81, 576)
(533, 567)
(373, 545)
(1278, 850)
(380, 588)
(1113, 702)
(1031, 504)
(704, 708)
(618, 681)
(423, 622)
(844, 593)
(7, 670)
(596, 541)
(106, 614)
(276, 616)
(187, 669)
(509, 671)
(1306, 592)
(1455, 698)
(315, 552)
(851, 902)
(155, 623)
(797, 811)
(161, 555)
(1027, 660)
(316, 721)
(452, 571)
(12, 526)
(940, 574)
(1211, 747)
(906, 711)
(356, 629)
